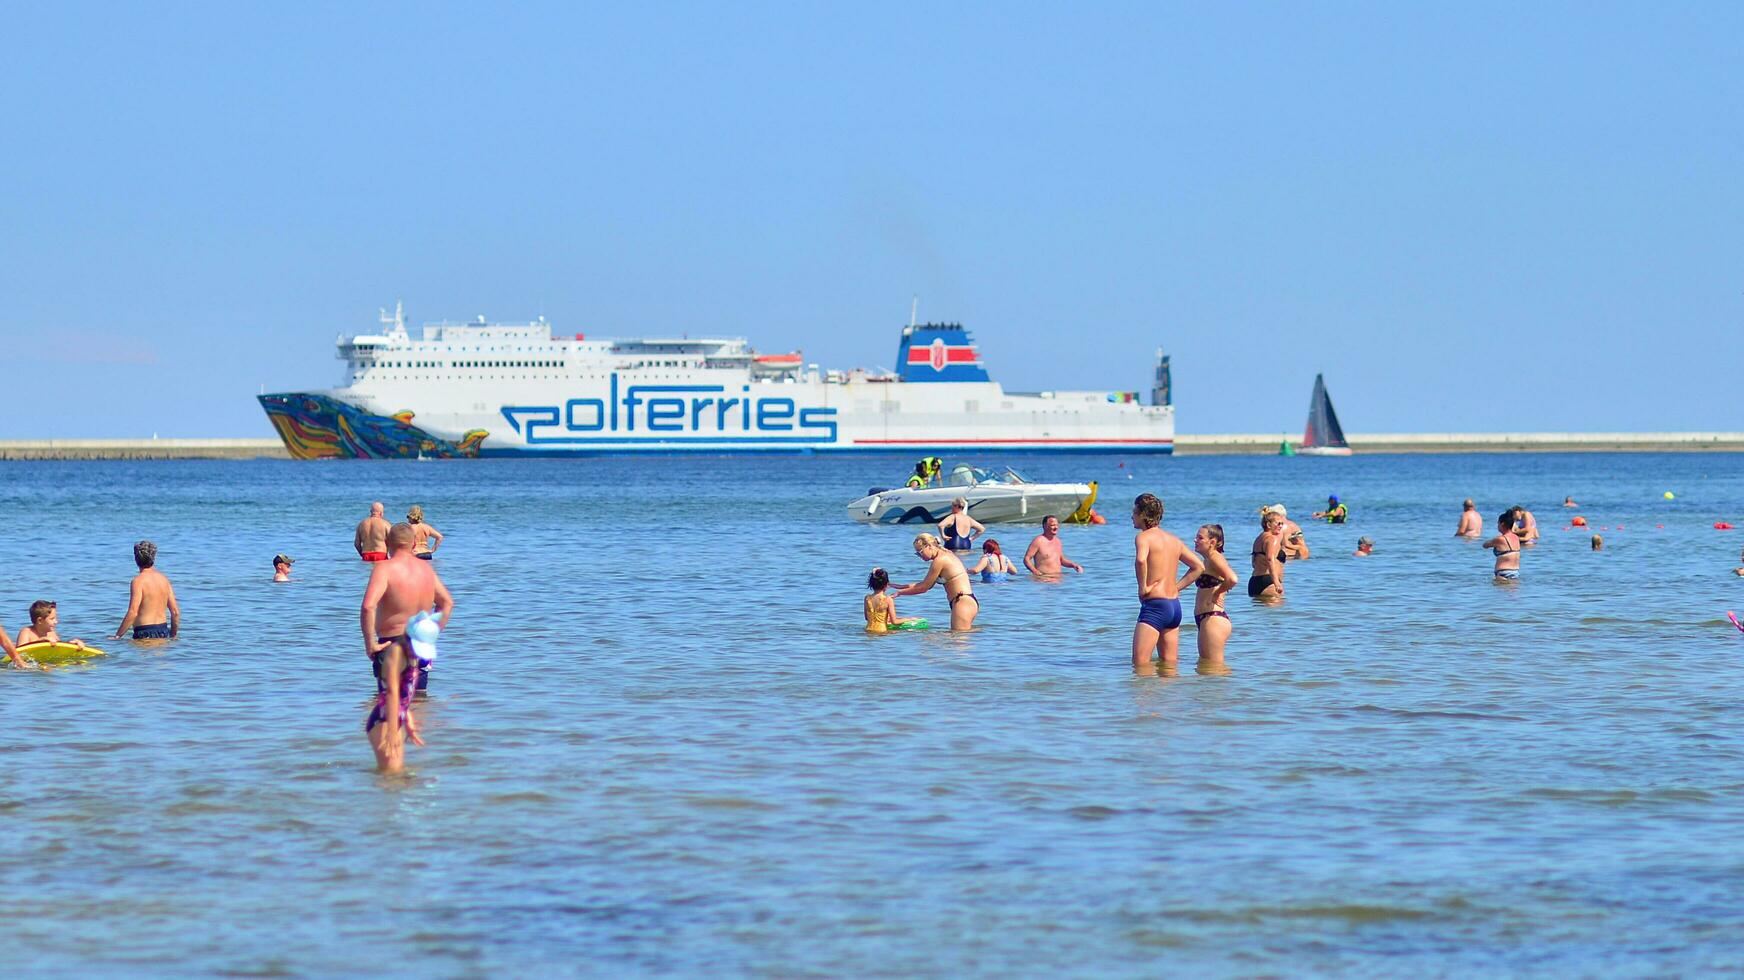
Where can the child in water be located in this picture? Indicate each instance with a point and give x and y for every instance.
(43, 619)
(880, 606)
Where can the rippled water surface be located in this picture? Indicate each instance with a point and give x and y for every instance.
(659, 741)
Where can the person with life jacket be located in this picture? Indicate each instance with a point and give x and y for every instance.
(1335, 512)
(926, 471)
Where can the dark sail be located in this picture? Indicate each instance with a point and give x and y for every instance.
(1323, 428)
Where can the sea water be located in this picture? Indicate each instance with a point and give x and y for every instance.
(659, 741)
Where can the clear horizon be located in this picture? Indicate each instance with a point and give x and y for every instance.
(1483, 220)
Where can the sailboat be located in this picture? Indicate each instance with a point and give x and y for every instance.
(1323, 436)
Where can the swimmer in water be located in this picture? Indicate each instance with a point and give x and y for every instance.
(1295, 544)
(281, 568)
(371, 537)
(399, 590)
(1598, 543)
(1157, 634)
(1525, 526)
(1506, 547)
(1267, 581)
(1740, 569)
(427, 538)
(880, 607)
(1470, 524)
(152, 612)
(994, 566)
(958, 530)
(947, 567)
(1569, 502)
(1364, 548)
(1208, 612)
(44, 619)
(1046, 555)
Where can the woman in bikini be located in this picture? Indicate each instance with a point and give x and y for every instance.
(1267, 583)
(1506, 547)
(426, 539)
(1218, 578)
(948, 568)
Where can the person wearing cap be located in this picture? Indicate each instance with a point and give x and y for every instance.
(1335, 512)
(397, 635)
(1364, 547)
(281, 568)
(1295, 545)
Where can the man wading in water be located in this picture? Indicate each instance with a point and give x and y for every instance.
(400, 594)
(371, 539)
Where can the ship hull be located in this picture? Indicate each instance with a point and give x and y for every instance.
(730, 416)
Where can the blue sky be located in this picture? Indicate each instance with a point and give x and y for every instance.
(1472, 217)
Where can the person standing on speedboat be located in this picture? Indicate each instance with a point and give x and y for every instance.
(958, 530)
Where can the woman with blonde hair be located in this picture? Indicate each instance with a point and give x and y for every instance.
(422, 534)
(946, 566)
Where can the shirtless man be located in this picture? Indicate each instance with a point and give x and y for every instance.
(1470, 524)
(1046, 555)
(399, 589)
(152, 612)
(1158, 630)
(371, 539)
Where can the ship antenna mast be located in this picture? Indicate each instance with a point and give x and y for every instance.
(913, 309)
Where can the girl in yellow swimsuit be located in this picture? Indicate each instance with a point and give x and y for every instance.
(880, 607)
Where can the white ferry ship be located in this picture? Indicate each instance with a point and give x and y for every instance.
(490, 389)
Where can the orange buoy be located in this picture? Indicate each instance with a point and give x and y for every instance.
(1579, 521)
(1722, 526)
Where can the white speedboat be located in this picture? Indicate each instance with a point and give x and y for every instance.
(1005, 496)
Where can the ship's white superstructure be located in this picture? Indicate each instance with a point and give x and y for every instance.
(484, 388)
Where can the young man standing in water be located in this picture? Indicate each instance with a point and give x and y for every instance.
(397, 601)
(152, 612)
(1046, 555)
(371, 539)
(1158, 630)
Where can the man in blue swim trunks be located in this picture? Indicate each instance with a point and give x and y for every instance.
(152, 612)
(1158, 630)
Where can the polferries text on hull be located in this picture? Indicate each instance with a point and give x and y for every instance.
(487, 389)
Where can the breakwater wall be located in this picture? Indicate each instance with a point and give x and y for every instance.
(1477, 442)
